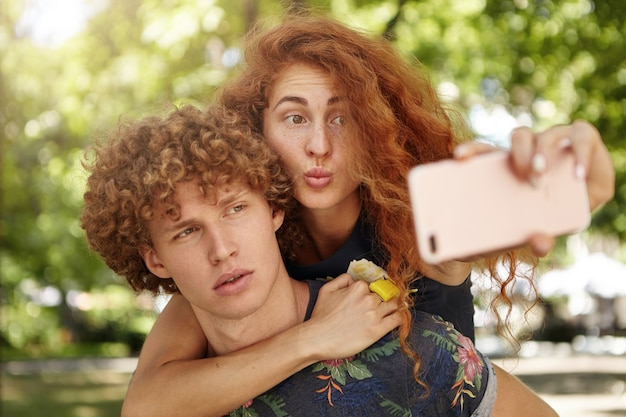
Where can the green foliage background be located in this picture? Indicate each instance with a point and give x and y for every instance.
(548, 61)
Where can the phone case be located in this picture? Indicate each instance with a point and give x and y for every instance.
(477, 206)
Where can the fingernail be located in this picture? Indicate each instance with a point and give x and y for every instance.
(532, 180)
(580, 171)
(565, 143)
(539, 164)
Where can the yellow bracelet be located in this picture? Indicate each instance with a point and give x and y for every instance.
(385, 289)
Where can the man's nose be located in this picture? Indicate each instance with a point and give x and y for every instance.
(221, 245)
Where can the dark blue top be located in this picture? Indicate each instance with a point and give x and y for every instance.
(452, 303)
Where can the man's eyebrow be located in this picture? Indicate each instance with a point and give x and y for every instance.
(231, 198)
(223, 202)
(180, 224)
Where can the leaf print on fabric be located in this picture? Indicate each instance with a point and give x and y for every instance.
(338, 370)
(443, 342)
(357, 370)
(394, 409)
(274, 402)
(469, 373)
(373, 354)
(328, 389)
(244, 411)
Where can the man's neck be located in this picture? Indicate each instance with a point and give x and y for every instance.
(285, 308)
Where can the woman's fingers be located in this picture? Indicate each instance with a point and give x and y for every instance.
(469, 149)
(532, 153)
(541, 244)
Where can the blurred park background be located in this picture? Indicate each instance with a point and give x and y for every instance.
(70, 69)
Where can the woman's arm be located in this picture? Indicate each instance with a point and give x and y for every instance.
(170, 377)
(531, 157)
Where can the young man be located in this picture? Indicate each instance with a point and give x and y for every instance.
(190, 203)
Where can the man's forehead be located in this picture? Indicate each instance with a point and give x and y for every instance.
(212, 193)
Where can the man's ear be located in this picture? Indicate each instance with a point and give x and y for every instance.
(151, 258)
(278, 216)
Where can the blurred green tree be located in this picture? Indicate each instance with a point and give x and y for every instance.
(543, 62)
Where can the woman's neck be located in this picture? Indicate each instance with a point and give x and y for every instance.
(328, 229)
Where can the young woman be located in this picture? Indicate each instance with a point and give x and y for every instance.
(349, 118)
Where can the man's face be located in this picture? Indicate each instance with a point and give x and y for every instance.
(222, 251)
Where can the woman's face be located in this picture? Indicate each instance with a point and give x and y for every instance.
(304, 124)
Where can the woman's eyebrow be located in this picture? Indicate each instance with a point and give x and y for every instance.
(301, 100)
(292, 99)
(333, 100)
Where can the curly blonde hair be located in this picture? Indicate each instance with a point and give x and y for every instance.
(395, 119)
(140, 165)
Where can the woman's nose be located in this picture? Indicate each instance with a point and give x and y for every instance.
(318, 143)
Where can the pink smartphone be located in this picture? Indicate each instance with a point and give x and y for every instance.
(476, 206)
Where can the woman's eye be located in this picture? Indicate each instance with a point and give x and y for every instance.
(339, 120)
(296, 119)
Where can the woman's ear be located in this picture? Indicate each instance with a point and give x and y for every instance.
(152, 261)
(278, 216)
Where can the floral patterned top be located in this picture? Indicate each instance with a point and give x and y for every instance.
(379, 381)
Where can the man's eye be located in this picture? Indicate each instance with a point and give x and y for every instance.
(186, 232)
(296, 119)
(238, 208)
